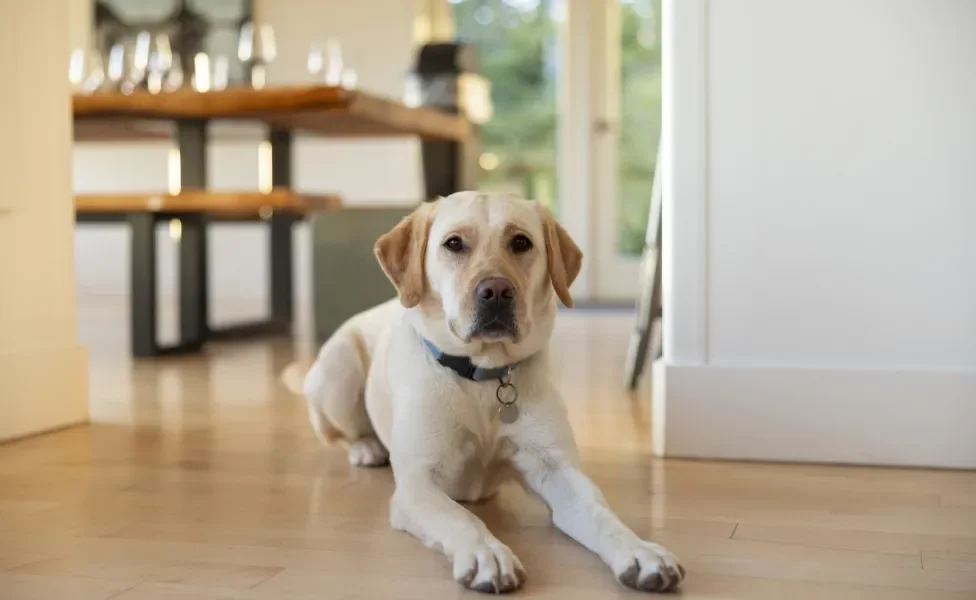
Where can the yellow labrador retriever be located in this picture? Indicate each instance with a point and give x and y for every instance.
(451, 385)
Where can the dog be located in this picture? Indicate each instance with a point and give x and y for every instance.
(450, 383)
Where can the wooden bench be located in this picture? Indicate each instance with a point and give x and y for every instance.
(194, 209)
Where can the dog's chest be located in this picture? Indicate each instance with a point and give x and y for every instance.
(478, 465)
(474, 447)
(481, 450)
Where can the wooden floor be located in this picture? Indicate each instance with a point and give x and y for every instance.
(201, 478)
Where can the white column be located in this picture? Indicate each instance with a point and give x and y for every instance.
(685, 182)
(819, 289)
(43, 369)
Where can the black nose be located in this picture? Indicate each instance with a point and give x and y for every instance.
(495, 292)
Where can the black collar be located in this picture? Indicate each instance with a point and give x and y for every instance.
(463, 366)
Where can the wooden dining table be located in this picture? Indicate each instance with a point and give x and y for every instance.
(186, 116)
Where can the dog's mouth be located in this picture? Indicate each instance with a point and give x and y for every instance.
(494, 327)
(495, 330)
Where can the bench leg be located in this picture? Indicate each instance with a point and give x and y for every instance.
(194, 298)
(281, 266)
(142, 302)
(193, 282)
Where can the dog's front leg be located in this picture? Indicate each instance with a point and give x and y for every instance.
(481, 562)
(581, 512)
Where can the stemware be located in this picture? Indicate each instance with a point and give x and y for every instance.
(257, 47)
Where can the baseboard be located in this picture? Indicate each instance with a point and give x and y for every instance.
(42, 390)
(871, 417)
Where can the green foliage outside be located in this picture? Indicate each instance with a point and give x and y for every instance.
(519, 53)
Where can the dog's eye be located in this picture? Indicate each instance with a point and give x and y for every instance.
(520, 244)
(454, 244)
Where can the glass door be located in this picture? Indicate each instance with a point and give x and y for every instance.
(518, 50)
(628, 133)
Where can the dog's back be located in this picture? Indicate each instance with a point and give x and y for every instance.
(334, 384)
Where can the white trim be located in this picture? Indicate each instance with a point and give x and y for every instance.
(685, 182)
(878, 417)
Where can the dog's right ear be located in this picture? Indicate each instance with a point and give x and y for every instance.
(564, 257)
(401, 254)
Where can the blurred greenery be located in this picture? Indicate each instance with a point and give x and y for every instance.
(518, 50)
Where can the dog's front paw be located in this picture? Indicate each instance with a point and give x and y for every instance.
(489, 567)
(648, 567)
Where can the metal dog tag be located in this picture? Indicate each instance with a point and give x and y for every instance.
(508, 413)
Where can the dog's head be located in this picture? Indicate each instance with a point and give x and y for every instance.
(483, 270)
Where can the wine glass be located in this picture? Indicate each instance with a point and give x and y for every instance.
(412, 91)
(220, 73)
(140, 56)
(200, 81)
(325, 62)
(159, 64)
(115, 69)
(334, 63)
(135, 62)
(77, 67)
(86, 71)
(268, 45)
(316, 60)
(257, 48)
(174, 76)
(349, 78)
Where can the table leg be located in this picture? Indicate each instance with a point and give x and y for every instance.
(142, 301)
(194, 297)
(281, 264)
(450, 166)
(193, 281)
(280, 279)
(442, 161)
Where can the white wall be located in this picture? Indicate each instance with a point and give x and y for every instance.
(43, 368)
(821, 269)
(378, 39)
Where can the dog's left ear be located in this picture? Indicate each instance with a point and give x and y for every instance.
(564, 257)
(401, 253)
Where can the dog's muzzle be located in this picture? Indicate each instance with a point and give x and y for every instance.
(494, 308)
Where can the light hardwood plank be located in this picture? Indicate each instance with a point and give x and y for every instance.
(961, 562)
(857, 539)
(31, 587)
